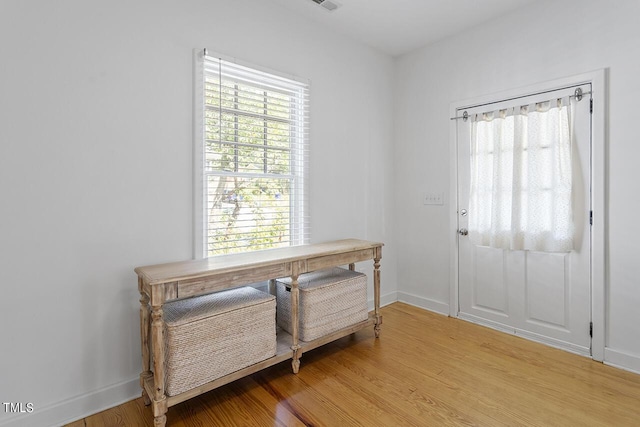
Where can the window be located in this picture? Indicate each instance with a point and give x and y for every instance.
(251, 159)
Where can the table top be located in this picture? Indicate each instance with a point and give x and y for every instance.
(175, 271)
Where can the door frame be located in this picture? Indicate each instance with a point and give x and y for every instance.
(597, 79)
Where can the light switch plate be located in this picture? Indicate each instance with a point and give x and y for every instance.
(434, 199)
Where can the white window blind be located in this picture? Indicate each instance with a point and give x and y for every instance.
(255, 158)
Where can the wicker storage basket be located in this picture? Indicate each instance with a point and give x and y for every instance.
(213, 335)
(329, 300)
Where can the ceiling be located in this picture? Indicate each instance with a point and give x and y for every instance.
(396, 27)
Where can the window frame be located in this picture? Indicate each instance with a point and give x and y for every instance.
(299, 161)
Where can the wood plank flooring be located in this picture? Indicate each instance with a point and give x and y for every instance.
(425, 370)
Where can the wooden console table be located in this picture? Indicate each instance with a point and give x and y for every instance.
(161, 283)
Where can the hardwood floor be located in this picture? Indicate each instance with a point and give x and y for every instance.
(425, 370)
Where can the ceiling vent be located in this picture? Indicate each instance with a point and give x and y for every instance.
(327, 4)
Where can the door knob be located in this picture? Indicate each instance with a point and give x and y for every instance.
(463, 232)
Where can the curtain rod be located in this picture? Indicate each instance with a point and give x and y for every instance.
(577, 95)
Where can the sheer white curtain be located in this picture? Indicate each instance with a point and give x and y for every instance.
(520, 194)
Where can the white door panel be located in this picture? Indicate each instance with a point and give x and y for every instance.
(545, 296)
(489, 287)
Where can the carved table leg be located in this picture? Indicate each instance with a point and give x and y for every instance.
(144, 340)
(376, 290)
(159, 399)
(295, 297)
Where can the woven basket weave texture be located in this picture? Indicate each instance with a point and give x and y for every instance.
(330, 300)
(213, 335)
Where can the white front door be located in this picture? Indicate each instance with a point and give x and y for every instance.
(542, 296)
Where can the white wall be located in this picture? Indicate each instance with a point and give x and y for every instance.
(96, 172)
(545, 41)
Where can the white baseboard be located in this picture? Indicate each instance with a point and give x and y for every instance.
(422, 302)
(620, 359)
(385, 299)
(73, 409)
